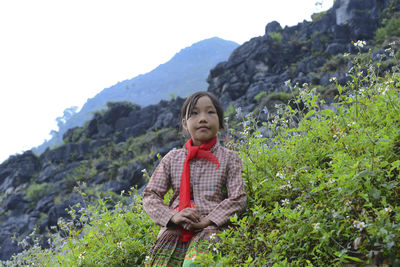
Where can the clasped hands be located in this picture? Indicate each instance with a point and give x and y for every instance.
(190, 219)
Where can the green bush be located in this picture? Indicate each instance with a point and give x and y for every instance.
(36, 191)
(277, 37)
(317, 16)
(98, 236)
(260, 96)
(324, 193)
(391, 28)
(335, 63)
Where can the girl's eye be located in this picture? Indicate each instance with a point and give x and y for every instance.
(194, 113)
(211, 112)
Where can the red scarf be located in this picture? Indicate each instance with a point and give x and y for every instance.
(184, 193)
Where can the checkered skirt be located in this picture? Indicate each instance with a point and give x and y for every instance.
(169, 250)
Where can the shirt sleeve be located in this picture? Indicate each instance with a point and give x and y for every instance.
(236, 201)
(154, 192)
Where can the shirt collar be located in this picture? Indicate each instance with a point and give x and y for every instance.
(212, 150)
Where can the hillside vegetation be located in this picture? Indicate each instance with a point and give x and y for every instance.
(322, 183)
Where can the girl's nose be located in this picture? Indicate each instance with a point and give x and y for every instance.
(203, 117)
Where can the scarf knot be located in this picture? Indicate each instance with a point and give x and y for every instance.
(184, 193)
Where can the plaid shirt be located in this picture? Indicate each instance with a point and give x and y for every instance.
(207, 186)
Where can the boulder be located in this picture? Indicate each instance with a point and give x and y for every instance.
(18, 170)
(361, 16)
(116, 186)
(15, 202)
(133, 175)
(273, 26)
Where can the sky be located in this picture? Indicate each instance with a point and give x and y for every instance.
(56, 54)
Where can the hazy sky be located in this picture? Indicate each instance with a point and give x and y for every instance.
(57, 54)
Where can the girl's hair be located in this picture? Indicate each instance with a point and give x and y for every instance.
(191, 102)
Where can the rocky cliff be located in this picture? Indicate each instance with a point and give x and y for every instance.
(110, 151)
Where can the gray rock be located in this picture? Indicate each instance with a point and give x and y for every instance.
(273, 26)
(15, 202)
(335, 48)
(116, 186)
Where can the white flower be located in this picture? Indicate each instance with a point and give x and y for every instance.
(286, 185)
(144, 170)
(383, 91)
(332, 79)
(280, 175)
(238, 112)
(360, 44)
(350, 70)
(265, 110)
(285, 202)
(331, 181)
(81, 256)
(388, 210)
(316, 226)
(287, 82)
(389, 82)
(359, 225)
(351, 123)
(346, 54)
(392, 43)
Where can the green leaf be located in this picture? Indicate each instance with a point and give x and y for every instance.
(353, 258)
(310, 113)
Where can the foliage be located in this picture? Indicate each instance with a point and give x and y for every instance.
(260, 96)
(317, 16)
(335, 63)
(36, 191)
(390, 28)
(326, 192)
(97, 236)
(277, 37)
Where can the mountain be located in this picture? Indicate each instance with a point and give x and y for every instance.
(184, 74)
(110, 150)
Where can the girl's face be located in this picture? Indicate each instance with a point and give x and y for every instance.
(203, 123)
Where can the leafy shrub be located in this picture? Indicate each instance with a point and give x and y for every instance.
(230, 111)
(97, 236)
(36, 191)
(317, 16)
(277, 37)
(325, 192)
(260, 96)
(391, 28)
(335, 63)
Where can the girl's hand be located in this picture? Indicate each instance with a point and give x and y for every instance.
(203, 223)
(186, 216)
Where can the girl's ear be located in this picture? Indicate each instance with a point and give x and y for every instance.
(184, 125)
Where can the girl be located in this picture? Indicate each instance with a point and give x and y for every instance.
(207, 185)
